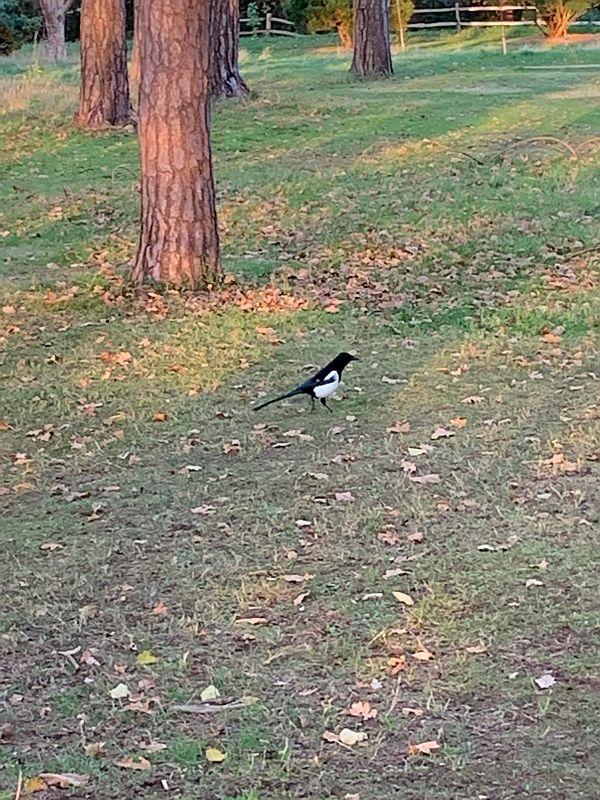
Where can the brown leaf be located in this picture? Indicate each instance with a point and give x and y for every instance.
(458, 422)
(330, 736)
(476, 648)
(404, 598)
(417, 536)
(408, 467)
(131, 763)
(95, 749)
(395, 664)
(234, 446)
(388, 536)
(551, 338)
(4, 425)
(51, 546)
(344, 497)
(252, 621)
(423, 655)
(297, 578)
(362, 709)
(159, 609)
(407, 711)
(159, 416)
(64, 780)
(432, 477)
(399, 427)
(423, 749)
(301, 598)
(32, 785)
(122, 358)
(442, 433)
(473, 400)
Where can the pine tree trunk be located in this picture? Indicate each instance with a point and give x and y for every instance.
(225, 78)
(179, 241)
(372, 55)
(135, 58)
(104, 92)
(53, 12)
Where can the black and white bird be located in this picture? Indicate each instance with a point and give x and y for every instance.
(320, 386)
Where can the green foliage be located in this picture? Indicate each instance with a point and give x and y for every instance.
(327, 14)
(297, 12)
(406, 8)
(254, 16)
(18, 22)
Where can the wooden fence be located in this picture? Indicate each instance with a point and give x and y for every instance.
(269, 29)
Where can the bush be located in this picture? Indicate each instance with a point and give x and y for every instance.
(559, 14)
(18, 23)
(327, 14)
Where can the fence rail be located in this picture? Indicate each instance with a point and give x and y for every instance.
(268, 30)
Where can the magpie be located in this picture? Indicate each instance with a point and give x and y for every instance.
(321, 385)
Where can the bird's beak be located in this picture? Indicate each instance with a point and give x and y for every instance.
(355, 358)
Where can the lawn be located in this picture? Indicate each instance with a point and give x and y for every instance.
(417, 570)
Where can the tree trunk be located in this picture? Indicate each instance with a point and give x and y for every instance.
(372, 55)
(53, 12)
(135, 58)
(558, 20)
(179, 241)
(345, 33)
(225, 78)
(104, 92)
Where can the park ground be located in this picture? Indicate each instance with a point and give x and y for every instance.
(419, 566)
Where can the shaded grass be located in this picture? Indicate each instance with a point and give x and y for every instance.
(315, 174)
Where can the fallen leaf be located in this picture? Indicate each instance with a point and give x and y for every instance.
(301, 598)
(330, 736)
(153, 747)
(4, 425)
(131, 763)
(297, 578)
(404, 598)
(395, 664)
(8, 309)
(95, 749)
(64, 780)
(234, 446)
(351, 797)
(476, 648)
(120, 691)
(473, 400)
(442, 433)
(388, 536)
(204, 511)
(423, 655)
(423, 749)
(551, 338)
(417, 536)
(51, 546)
(399, 427)
(214, 755)
(408, 467)
(210, 693)
(407, 711)
(362, 709)
(344, 497)
(350, 737)
(252, 621)
(159, 609)
(533, 582)
(458, 422)
(32, 785)
(146, 657)
(393, 573)
(391, 381)
(303, 523)
(160, 416)
(546, 680)
(432, 477)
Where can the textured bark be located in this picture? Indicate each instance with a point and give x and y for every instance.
(372, 55)
(225, 78)
(104, 92)
(558, 19)
(135, 58)
(179, 241)
(53, 12)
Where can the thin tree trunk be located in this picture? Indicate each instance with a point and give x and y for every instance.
(53, 12)
(372, 55)
(179, 241)
(225, 78)
(104, 92)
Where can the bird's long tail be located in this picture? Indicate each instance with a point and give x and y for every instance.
(293, 393)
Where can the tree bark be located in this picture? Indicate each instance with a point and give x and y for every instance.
(225, 78)
(179, 241)
(104, 92)
(53, 12)
(372, 54)
(135, 58)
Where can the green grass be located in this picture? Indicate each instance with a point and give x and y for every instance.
(418, 221)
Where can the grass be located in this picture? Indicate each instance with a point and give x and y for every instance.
(144, 506)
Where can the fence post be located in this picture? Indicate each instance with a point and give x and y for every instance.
(400, 26)
(268, 23)
(457, 15)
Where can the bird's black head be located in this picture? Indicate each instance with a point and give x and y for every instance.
(342, 360)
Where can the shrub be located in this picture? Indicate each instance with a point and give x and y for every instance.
(559, 14)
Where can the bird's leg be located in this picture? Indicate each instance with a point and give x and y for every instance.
(312, 404)
(324, 403)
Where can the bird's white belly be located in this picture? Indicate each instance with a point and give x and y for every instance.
(327, 389)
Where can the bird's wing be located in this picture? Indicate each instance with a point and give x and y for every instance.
(320, 379)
